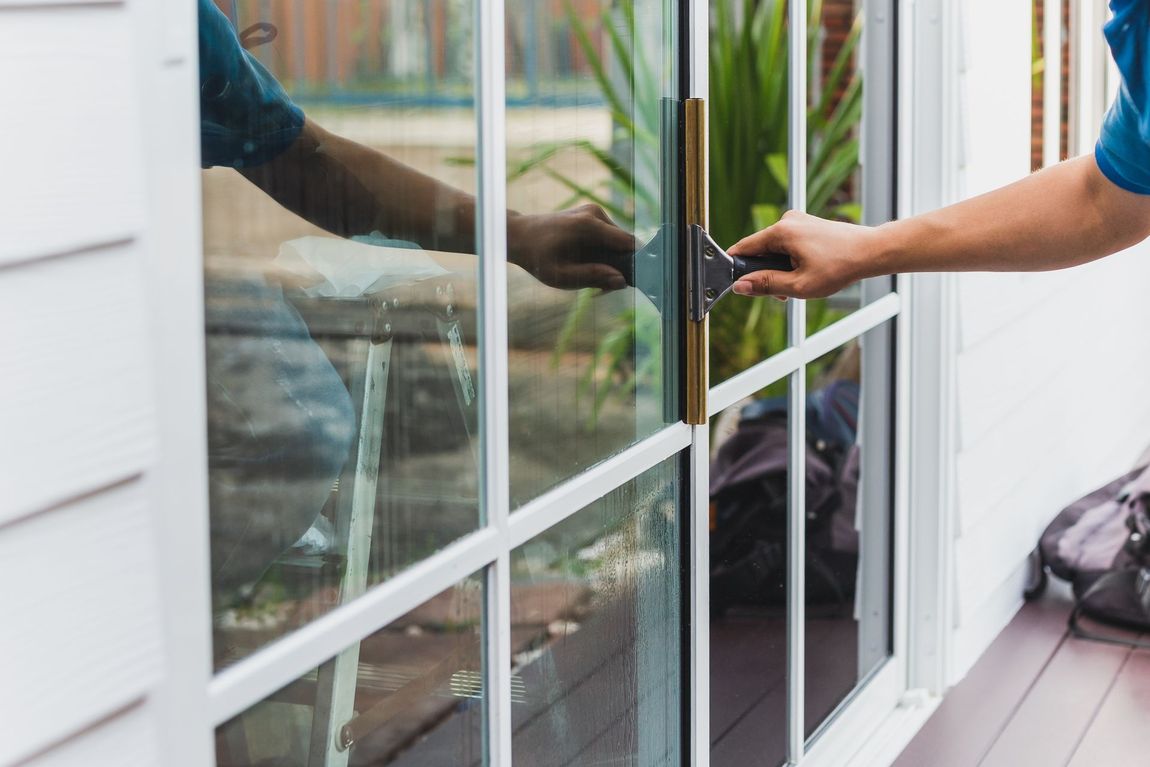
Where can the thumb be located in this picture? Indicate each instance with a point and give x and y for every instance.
(767, 283)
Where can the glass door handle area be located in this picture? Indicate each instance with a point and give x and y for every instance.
(714, 270)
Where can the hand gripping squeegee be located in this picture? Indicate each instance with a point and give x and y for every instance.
(716, 270)
(713, 270)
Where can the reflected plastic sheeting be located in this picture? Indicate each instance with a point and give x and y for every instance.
(592, 151)
(748, 575)
(595, 606)
(340, 294)
(409, 695)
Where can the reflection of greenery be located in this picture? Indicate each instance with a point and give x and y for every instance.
(748, 160)
(748, 154)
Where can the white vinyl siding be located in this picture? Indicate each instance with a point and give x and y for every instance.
(1049, 376)
(81, 623)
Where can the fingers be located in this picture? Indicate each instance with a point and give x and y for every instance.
(613, 238)
(768, 283)
(596, 211)
(599, 276)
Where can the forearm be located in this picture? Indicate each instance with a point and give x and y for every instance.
(349, 189)
(1059, 217)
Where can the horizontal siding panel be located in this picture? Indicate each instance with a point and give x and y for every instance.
(1097, 318)
(1051, 441)
(990, 301)
(72, 174)
(84, 642)
(1056, 447)
(75, 398)
(1010, 366)
(986, 622)
(986, 556)
(126, 740)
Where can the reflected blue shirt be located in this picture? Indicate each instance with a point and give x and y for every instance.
(1123, 148)
(246, 117)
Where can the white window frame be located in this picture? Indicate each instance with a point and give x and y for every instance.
(192, 702)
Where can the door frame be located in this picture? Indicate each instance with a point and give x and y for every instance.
(191, 702)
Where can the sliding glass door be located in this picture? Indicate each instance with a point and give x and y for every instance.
(477, 495)
(800, 536)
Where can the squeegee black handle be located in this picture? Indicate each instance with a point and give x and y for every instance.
(777, 262)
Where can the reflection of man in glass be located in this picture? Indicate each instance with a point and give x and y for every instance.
(280, 419)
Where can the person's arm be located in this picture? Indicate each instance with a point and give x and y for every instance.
(349, 189)
(1063, 216)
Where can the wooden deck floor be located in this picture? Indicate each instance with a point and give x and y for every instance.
(1041, 698)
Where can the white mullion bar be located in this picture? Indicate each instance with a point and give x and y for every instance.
(867, 318)
(751, 380)
(797, 142)
(700, 683)
(796, 561)
(556, 505)
(796, 331)
(1051, 81)
(787, 361)
(497, 660)
(495, 480)
(238, 687)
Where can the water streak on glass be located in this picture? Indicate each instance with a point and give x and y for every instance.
(412, 695)
(595, 606)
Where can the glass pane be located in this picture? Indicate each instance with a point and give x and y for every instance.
(748, 573)
(410, 694)
(749, 176)
(592, 148)
(340, 300)
(849, 517)
(595, 607)
(834, 117)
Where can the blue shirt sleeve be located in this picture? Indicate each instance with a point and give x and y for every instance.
(1123, 148)
(246, 117)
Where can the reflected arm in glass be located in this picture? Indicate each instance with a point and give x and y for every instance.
(249, 122)
(349, 189)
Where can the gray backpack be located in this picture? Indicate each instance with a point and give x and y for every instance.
(1101, 545)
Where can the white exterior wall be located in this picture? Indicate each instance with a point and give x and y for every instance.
(83, 632)
(1049, 369)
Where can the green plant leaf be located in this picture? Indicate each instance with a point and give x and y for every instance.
(765, 214)
(849, 211)
(778, 167)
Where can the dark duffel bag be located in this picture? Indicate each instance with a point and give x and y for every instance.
(1101, 545)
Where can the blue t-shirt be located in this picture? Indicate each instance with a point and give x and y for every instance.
(1123, 148)
(246, 118)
